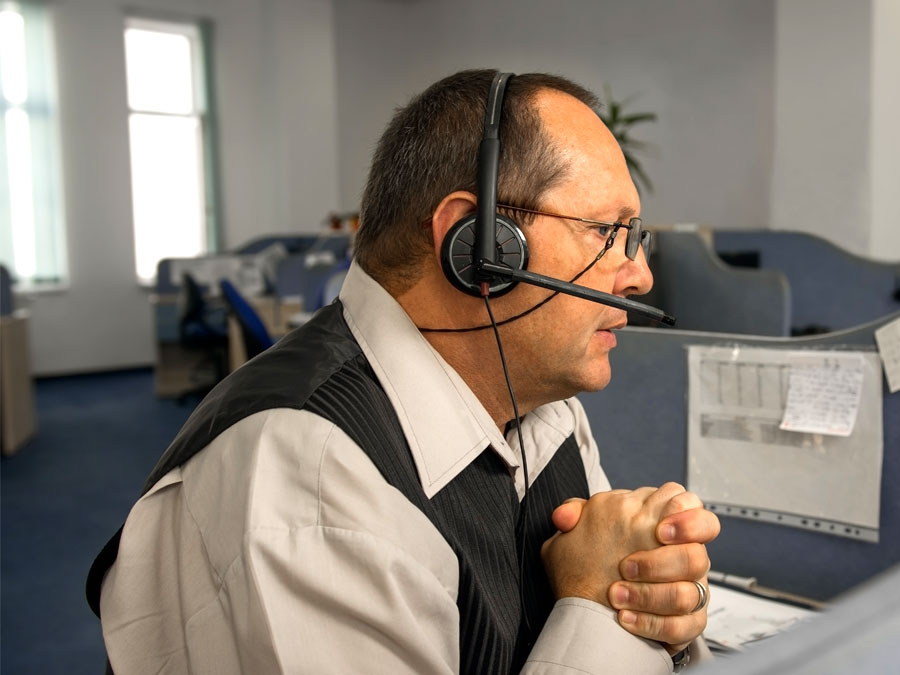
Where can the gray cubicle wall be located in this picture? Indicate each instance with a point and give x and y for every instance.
(694, 284)
(640, 424)
(830, 287)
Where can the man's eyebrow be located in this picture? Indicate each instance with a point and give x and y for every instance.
(626, 212)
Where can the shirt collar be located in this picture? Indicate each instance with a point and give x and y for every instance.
(443, 421)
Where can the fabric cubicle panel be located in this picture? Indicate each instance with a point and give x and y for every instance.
(830, 288)
(692, 283)
(640, 424)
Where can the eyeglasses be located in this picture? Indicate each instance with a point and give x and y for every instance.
(637, 236)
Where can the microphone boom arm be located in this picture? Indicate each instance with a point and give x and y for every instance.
(583, 292)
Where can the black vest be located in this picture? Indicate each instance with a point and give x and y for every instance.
(320, 368)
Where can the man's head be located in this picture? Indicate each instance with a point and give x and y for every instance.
(430, 149)
(556, 156)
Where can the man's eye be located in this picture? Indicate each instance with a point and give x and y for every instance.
(603, 230)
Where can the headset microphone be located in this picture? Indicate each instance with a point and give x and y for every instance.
(487, 248)
(503, 272)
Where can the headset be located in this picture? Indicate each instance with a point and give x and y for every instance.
(486, 254)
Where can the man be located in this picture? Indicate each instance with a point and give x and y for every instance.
(356, 499)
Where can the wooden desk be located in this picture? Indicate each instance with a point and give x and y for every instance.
(17, 405)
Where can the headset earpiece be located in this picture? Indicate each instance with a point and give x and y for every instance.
(470, 243)
(457, 253)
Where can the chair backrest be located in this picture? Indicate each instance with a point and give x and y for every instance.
(196, 319)
(253, 330)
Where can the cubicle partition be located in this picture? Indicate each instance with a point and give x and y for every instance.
(337, 243)
(641, 425)
(831, 289)
(304, 279)
(695, 285)
(182, 366)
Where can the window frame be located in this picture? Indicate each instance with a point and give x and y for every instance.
(40, 107)
(199, 32)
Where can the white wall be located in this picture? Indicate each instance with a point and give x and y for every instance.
(821, 178)
(884, 139)
(274, 64)
(837, 142)
(706, 67)
(747, 93)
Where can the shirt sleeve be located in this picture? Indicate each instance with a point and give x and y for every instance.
(344, 574)
(581, 636)
(598, 482)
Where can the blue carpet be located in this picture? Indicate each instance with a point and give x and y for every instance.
(63, 495)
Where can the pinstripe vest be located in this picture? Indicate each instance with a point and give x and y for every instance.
(320, 368)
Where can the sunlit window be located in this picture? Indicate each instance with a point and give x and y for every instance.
(32, 236)
(174, 215)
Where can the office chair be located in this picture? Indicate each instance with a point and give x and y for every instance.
(253, 330)
(202, 328)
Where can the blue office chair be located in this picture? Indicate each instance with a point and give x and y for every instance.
(253, 330)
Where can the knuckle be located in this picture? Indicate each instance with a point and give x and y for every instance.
(688, 597)
(644, 595)
(697, 561)
(648, 625)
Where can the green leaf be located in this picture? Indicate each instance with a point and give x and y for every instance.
(620, 124)
(639, 117)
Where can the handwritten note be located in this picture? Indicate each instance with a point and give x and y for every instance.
(888, 339)
(823, 397)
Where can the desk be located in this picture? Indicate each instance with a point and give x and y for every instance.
(17, 407)
(176, 368)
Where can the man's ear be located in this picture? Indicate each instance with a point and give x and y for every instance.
(453, 208)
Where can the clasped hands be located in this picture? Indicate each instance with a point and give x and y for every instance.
(637, 552)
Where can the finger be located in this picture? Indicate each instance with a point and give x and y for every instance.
(672, 630)
(566, 515)
(676, 562)
(694, 525)
(663, 599)
(682, 501)
(659, 497)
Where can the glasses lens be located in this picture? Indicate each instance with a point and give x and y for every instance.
(645, 244)
(634, 238)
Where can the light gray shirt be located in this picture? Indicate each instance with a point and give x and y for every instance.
(281, 548)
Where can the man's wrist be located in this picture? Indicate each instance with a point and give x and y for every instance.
(681, 659)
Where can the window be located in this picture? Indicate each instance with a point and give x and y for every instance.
(32, 233)
(171, 143)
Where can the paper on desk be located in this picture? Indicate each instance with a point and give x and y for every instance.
(888, 339)
(736, 618)
(823, 394)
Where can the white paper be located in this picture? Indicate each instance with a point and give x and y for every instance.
(735, 619)
(823, 395)
(888, 339)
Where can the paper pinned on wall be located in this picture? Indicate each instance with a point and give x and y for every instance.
(888, 339)
(823, 396)
(742, 464)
